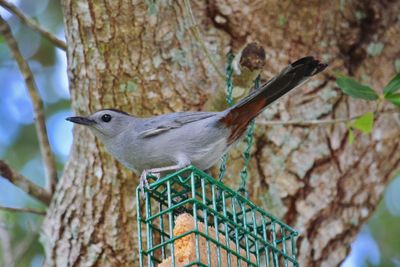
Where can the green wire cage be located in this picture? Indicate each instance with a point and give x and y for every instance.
(225, 229)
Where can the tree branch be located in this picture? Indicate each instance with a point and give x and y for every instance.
(33, 24)
(48, 158)
(28, 210)
(301, 123)
(25, 184)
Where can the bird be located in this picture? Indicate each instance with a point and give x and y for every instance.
(169, 142)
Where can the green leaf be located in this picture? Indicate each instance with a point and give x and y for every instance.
(351, 136)
(393, 85)
(365, 123)
(393, 98)
(354, 89)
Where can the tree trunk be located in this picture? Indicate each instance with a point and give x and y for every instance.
(121, 55)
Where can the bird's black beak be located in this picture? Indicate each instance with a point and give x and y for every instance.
(81, 120)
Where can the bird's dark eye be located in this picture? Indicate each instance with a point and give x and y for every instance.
(106, 117)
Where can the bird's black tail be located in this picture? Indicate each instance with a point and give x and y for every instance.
(239, 115)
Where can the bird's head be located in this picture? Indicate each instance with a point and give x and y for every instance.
(105, 123)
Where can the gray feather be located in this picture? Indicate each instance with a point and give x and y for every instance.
(160, 124)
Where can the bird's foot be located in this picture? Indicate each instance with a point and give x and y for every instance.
(144, 182)
(157, 175)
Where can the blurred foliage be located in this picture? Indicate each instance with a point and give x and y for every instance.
(18, 140)
(384, 226)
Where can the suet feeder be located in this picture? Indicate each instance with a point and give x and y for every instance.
(190, 219)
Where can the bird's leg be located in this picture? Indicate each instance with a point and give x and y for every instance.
(143, 181)
(157, 172)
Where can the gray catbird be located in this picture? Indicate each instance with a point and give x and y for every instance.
(172, 141)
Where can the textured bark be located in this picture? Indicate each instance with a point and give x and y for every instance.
(120, 55)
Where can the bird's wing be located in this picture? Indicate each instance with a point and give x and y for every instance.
(156, 125)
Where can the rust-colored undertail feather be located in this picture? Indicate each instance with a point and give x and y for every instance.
(239, 115)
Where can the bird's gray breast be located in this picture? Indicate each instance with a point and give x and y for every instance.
(201, 142)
